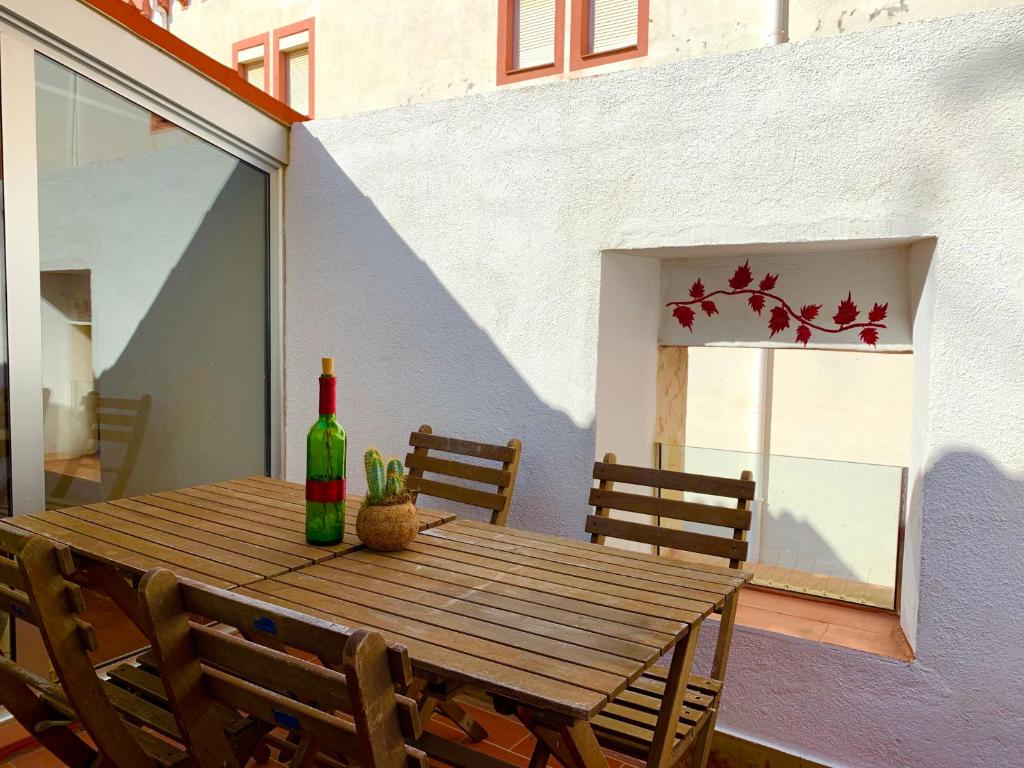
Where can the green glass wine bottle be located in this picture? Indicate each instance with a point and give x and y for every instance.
(325, 468)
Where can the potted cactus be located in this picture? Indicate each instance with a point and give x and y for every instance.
(387, 520)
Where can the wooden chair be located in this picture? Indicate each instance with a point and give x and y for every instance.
(421, 462)
(205, 670)
(117, 421)
(627, 725)
(127, 727)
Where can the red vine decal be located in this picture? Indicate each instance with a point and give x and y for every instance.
(782, 315)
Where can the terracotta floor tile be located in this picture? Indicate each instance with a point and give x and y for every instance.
(502, 731)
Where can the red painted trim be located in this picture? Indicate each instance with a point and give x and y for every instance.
(252, 42)
(128, 17)
(580, 56)
(299, 26)
(506, 25)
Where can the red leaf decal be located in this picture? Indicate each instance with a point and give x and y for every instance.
(685, 316)
(809, 311)
(697, 289)
(869, 336)
(847, 311)
(768, 282)
(756, 302)
(742, 277)
(803, 335)
(878, 312)
(709, 308)
(779, 320)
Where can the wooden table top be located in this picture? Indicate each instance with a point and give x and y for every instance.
(554, 623)
(224, 534)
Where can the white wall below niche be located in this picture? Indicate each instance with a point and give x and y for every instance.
(808, 273)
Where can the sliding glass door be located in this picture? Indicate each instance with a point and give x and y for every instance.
(153, 298)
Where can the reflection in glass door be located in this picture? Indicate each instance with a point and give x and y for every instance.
(153, 299)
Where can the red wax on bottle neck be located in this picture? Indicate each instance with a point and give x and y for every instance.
(328, 386)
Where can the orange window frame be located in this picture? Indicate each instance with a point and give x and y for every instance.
(252, 42)
(306, 25)
(506, 46)
(579, 55)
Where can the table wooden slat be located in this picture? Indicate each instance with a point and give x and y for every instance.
(566, 571)
(559, 556)
(518, 684)
(574, 627)
(228, 534)
(573, 613)
(604, 553)
(480, 604)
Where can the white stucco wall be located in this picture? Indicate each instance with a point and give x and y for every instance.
(450, 255)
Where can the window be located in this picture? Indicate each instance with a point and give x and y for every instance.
(827, 435)
(530, 39)
(604, 31)
(294, 49)
(249, 57)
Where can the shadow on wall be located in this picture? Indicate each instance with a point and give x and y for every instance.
(408, 352)
(973, 528)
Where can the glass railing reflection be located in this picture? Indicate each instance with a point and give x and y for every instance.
(821, 527)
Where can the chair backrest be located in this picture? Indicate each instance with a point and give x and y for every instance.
(252, 672)
(34, 587)
(732, 545)
(123, 421)
(421, 462)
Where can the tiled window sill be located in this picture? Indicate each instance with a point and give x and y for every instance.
(849, 626)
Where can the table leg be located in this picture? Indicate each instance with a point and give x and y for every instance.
(573, 743)
(120, 590)
(675, 692)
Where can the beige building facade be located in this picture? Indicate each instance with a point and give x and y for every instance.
(366, 55)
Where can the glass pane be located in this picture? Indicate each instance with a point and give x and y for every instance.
(153, 258)
(5, 439)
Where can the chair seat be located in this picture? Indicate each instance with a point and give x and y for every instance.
(627, 724)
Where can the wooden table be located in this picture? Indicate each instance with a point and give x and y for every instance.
(555, 627)
(223, 534)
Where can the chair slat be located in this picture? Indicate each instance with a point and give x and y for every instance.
(707, 514)
(279, 625)
(476, 472)
(675, 481)
(423, 439)
(117, 419)
(115, 434)
(472, 496)
(275, 670)
(331, 733)
(714, 546)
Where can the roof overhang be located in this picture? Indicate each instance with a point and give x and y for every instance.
(170, 77)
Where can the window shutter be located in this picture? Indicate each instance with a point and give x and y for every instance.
(613, 24)
(255, 73)
(533, 34)
(297, 66)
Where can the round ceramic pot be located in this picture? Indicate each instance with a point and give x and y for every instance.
(387, 528)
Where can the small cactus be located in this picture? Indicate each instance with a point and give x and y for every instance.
(396, 478)
(383, 487)
(376, 480)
